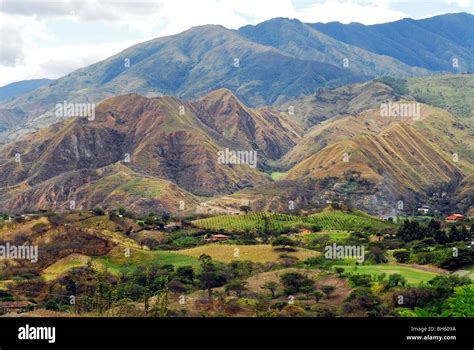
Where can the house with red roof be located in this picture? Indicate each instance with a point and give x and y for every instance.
(455, 217)
(14, 306)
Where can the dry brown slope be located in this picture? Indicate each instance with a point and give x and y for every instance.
(265, 130)
(161, 141)
(400, 157)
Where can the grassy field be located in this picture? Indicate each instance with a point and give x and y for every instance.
(63, 265)
(412, 275)
(326, 220)
(256, 253)
(277, 175)
(335, 235)
(117, 260)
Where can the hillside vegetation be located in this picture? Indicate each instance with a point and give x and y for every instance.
(326, 220)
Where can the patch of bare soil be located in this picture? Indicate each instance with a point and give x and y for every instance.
(341, 292)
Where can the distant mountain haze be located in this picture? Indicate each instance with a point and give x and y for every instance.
(13, 90)
(431, 43)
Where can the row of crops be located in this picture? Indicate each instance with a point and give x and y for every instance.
(330, 220)
(356, 221)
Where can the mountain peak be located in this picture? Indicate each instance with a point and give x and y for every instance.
(220, 94)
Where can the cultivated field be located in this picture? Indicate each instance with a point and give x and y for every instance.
(326, 220)
(412, 275)
(257, 253)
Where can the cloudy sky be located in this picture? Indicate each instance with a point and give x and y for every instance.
(48, 39)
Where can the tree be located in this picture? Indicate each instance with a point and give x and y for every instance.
(317, 295)
(39, 228)
(122, 211)
(245, 208)
(177, 287)
(377, 255)
(293, 282)
(266, 233)
(307, 287)
(462, 303)
(440, 236)
(453, 234)
(443, 286)
(434, 228)
(287, 260)
(410, 230)
(56, 220)
(402, 256)
(362, 299)
(272, 286)
(360, 280)
(464, 234)
(283, 242)
(328, 290)
(396, 279)
(160, 306)
(236, 286)
(147, 292)
(103, 289)
(206, 262)
(210, 277)
(98, 211)
(185, 274)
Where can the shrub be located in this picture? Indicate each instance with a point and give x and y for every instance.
(402, 256)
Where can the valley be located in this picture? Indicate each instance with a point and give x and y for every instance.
(282, 169)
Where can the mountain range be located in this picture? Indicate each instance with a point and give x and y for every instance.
(155, 153)
(306, 99)
(270, 63)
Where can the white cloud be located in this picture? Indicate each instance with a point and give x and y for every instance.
(462, 3)
(17, 34)
(179, 15)
(346, 11)
(56, 62)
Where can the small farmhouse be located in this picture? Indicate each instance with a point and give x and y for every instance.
(455, 217)
(217, 238)
(14, 306)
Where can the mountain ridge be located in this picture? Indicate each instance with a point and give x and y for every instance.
(260, 66)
